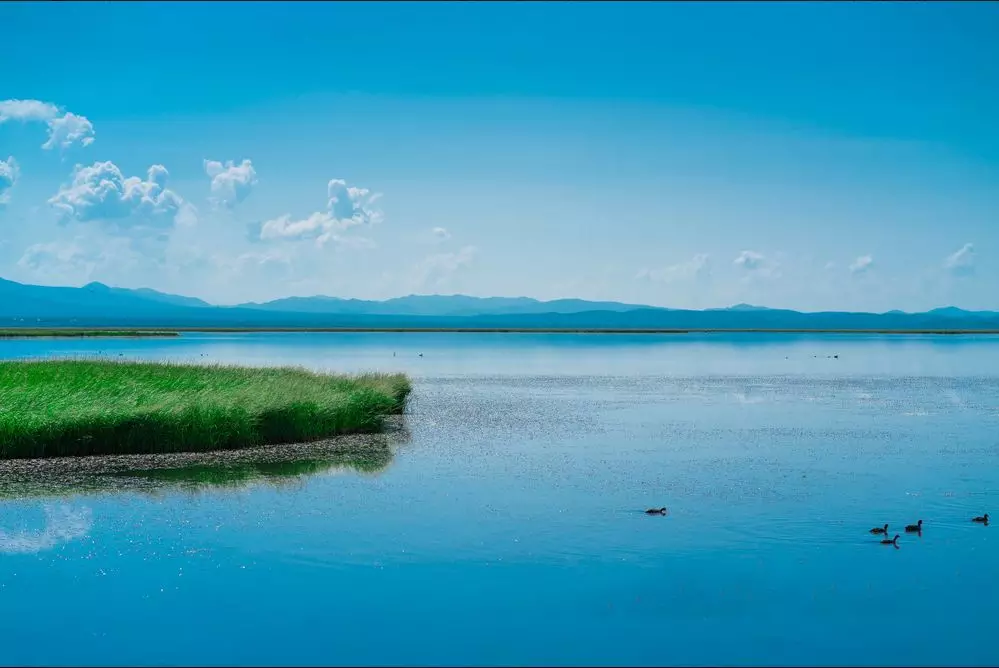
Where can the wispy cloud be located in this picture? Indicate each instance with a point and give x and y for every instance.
(437, 270)
(862, 265)
(756, 265)
(698, 267)
(962, 261)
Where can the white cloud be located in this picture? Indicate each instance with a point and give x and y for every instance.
(65, 128)
(862, 264)
(756, 265)
(79, 259)
(698, 267)
(749, 260)
(231, 183)
(441, 234)
(273, 265)
(437, 270)
(962, 261)
(58, 253)
(347, 207)
(8, 177)
(320, 226)
(101, 192)
(352, 204)
(27, 110)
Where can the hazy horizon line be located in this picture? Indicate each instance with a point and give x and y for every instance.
(743, 305)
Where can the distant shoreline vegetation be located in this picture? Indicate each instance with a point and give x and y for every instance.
(57, 332)
(61, 408)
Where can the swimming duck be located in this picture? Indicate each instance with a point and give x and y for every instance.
(892, 541)
(984, 519)
(876, 530)
(656, 511)
(918, 526)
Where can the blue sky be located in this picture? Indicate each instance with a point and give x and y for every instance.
(801, 155)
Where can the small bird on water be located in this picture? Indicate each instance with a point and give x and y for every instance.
(984, 519)
(656, 511)
(890, 541)
(884, 530)
(915, 528)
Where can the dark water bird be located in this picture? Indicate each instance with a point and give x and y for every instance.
(421, 354)
(876, 530)
(656, 511)
(890, 541)
(918, 526)
(984, 519)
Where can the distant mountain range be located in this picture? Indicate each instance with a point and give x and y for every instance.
(97, 305)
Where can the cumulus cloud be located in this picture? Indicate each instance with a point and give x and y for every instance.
(437, 270)
(749, 260)
(65, 128)
(231, 183)
(101, 192)
(755, 265)
(696, 268)
(962, 261)
(346, 207)
(352, 204)
(862, 265)
(62, 524)
(8, 177)
(441, 234)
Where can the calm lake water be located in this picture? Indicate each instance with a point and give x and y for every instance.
(506, 527)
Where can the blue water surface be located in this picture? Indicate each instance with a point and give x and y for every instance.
(508, 528)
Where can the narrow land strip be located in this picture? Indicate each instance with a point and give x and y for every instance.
(177, 331)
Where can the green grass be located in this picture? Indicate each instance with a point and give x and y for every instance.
(28, 333)
(58, 408)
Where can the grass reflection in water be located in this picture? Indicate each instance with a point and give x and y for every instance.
(277, 466)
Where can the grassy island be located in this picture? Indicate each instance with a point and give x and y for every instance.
(58, 332)
(59, 408)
